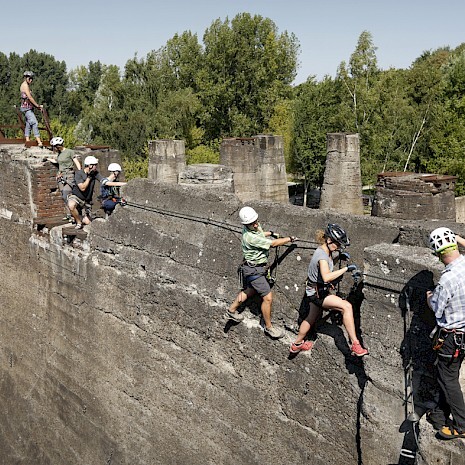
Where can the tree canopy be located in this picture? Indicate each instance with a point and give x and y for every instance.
(237, 81)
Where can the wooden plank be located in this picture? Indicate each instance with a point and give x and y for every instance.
(71, 231)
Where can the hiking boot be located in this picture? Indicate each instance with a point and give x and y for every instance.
(358, 350)
(274, 333)
(234, 316)
(79, 226)
(296, 348)
(449, 432)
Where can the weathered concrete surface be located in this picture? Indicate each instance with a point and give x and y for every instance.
(460, 209)
(167, 158)
(208, 175)
(397, 331)
(415, 196)
(258, 166)
(115, 351)
(342, 185)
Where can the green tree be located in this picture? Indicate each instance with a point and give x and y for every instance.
(314, 115)
(49, 87)
(446, 137)
(82, 88)
(247, 69)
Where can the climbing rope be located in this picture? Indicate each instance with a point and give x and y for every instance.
(312, 245)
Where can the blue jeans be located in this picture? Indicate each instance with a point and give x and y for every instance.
(31, 123)
(109, 205)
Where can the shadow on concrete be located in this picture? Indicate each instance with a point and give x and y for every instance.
(330, 323)
(421, 390)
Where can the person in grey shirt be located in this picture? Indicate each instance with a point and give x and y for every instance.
(320, 288)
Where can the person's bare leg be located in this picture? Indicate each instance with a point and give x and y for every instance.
(266, 309)
(306, 325)
(72, 205)
(334, 302)
(241, 298)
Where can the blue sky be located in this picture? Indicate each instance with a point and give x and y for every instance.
(113, 31)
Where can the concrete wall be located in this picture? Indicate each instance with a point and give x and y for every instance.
(29, 184)
(167, 158)
(253, 168)
(208, 175)
(115, 350)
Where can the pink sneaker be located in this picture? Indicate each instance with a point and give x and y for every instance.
(358, 350)
(296, 348)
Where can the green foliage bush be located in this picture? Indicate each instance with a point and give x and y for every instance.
(66, 131)
(202, 154)
(135, 167)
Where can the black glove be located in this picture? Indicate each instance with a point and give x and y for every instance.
(344, 256)
(293, 238)
(352, 267)
(275, 235)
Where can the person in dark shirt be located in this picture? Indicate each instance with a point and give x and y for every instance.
(83, 190)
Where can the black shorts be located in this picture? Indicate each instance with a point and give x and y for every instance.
(318, 299)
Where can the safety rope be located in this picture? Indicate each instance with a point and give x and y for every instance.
(208, 221)
(238, 230)
(395, 281)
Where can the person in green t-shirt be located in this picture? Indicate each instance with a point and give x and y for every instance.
(256, 245)
(67, 161)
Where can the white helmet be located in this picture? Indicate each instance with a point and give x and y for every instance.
(90, 160)
(56, 141)
(28, 74)
(248, 215)
(441, 239)
(114, 167)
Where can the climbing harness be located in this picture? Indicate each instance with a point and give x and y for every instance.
(439, 336)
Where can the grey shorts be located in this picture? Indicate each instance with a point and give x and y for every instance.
(260, 284)
(80, 203)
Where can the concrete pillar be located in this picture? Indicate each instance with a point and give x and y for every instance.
(258, 166)
(239, 155)
(342, 185)
(460, 209)
(167, 158)
(273, 180)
